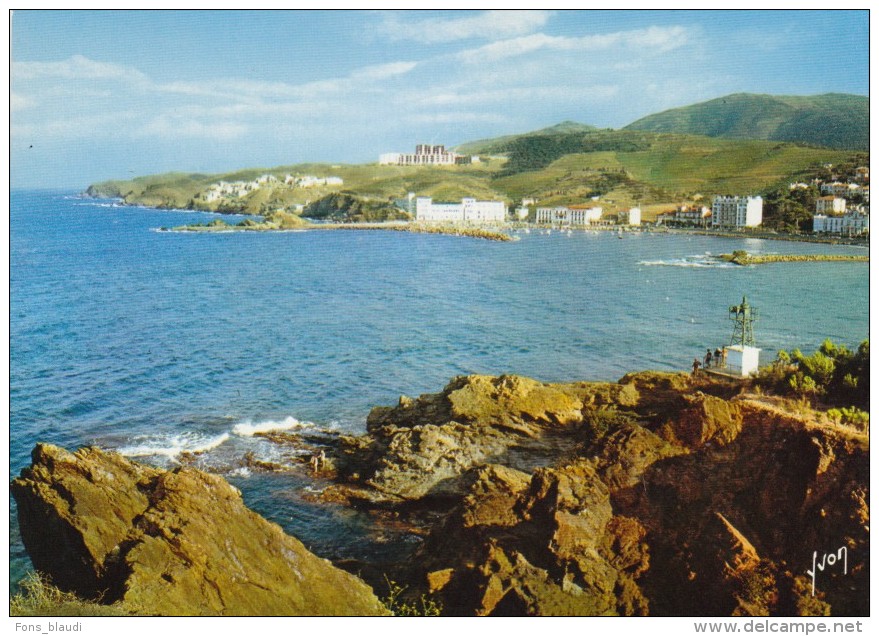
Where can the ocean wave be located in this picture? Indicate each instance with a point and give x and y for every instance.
(697, 260)
(172, 446)
(101, 204)
(249, 429)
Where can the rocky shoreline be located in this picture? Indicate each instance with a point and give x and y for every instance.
(660, 494)
(415, 228)
(745, 259)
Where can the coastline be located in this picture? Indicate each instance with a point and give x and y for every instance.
(396, 226)
(413, 226)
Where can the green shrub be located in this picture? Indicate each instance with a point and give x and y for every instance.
(851, 416)
(835, 374)
(40, 598)
(602, 420)
(423, 606)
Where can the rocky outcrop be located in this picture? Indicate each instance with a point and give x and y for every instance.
(176, 542)
(548, 544)
(420, 448)
(660, 494)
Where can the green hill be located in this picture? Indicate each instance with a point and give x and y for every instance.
(833, 120)
(622, 167)
(369, 182)
(500, 144)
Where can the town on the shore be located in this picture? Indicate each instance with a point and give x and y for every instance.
(843, 209)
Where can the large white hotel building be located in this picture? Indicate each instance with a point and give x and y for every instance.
(424, 155)
(467, 211)
(730, 211)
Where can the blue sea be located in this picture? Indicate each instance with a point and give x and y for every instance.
(155, 343)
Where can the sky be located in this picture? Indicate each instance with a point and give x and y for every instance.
(116, 94)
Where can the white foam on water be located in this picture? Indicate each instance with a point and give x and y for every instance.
(697, 260)
(248, 428)
(95, 204)
(173, 445)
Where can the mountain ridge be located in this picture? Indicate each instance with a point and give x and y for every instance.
(832, 120)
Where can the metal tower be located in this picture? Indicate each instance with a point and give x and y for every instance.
(743, 316)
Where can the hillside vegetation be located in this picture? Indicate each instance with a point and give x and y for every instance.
(488, 146)
(367, 181)
(833, 120)
(623, 168)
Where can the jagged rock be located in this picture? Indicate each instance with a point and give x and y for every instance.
(493, 496)
(169, 542)
(426, 460)
(660, 494)
(421, 447)
(703, 516)
(707, 419)
(547, 544)
(625, 454)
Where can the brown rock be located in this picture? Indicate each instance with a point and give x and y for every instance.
(172, 543)
(493, 497)
(707, 419)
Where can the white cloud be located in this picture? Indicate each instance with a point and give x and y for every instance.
(76, 67)
(489, 25)
(642, 40)
(383, 71)
(76, 127)
(172, 126)
(559, 93)
(246, 90)
(531, 77)
(454, 118)
(19, 102)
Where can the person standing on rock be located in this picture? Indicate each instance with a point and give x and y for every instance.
(707, 362)
(696, 365)
(318, 461)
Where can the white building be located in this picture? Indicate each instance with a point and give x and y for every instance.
(467, 211)
(424, 155)
(839, 189)
(522, 212)
(852, 223)
(310, 181)
(728, 211)
(569, 215)
(742, 360)
(632, 216)
(686, 215)
(829, 205)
